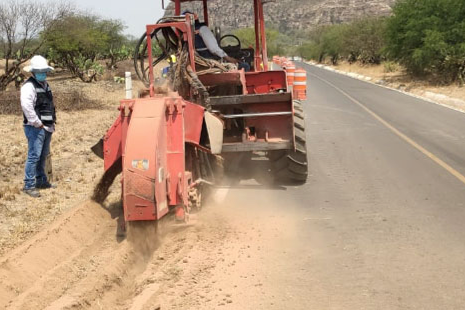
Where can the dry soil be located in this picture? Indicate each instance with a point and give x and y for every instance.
(62, 251)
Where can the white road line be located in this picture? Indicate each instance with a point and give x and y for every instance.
(410, 141)
(390, 88)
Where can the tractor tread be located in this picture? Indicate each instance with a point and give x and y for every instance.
(299, 114)
(291, 167)
(299, 123)
(300, 135)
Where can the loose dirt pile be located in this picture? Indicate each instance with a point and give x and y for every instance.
(102, 189)
(78, 263)
(24, 270)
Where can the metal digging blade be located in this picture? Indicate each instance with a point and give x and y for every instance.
(98, 148)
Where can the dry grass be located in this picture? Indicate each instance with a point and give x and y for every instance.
(70, 94)
(401, 80)
(74, 166)
(71, 100)
(82, 120)
(375, 71)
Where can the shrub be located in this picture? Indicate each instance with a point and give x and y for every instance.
(72, 99)
(390, 66)
(428, 37)
(362, 40)
(76, 42)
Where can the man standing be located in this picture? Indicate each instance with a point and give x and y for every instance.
(39, 124)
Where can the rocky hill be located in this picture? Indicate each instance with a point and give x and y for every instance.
(291, 14)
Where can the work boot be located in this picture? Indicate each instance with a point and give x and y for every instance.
(46, 185)
(31, 192)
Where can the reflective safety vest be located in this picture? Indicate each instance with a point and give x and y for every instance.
(200, 46)
(44, 107)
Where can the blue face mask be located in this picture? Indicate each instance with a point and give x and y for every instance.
(40, 76)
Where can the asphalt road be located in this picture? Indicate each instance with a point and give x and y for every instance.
(380, 223)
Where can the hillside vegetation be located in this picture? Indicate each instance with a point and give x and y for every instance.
(82, 43)
(290, 15)
(426, 37)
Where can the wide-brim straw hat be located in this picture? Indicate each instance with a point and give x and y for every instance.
(38, 64)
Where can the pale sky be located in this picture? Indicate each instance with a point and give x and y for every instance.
(134, 13)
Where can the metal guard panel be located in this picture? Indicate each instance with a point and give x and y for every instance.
(139, 198)
(237, 100)
(112, 144)
(193, 119)
(148, 107)
(259, 146)
(235, 77)
(265, 82)
(142, 160)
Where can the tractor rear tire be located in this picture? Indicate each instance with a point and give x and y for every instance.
(291, 167)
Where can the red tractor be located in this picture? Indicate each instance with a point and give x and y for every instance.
(170, 142)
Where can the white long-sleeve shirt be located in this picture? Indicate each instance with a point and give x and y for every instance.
(210, 41)
(28, 103)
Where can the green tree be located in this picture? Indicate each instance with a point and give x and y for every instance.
(333, 42)
(21, 22)
(117, 47)
(312, 48)
(247, 36)
(77, 42)
(325, 41)
(428, 37)
(363, 40)
(274, 40)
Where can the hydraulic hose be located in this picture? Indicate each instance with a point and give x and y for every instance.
(183, 78)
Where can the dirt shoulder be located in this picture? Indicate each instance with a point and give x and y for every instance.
(76, 169)
(450, 95)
